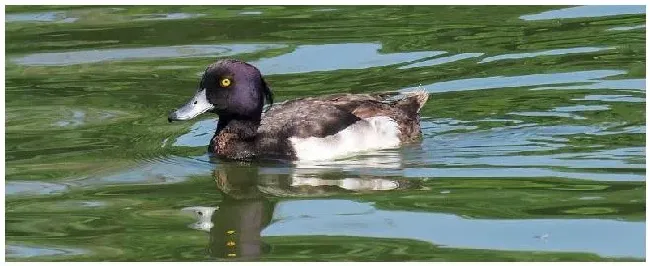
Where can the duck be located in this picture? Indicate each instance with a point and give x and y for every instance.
(305, 129)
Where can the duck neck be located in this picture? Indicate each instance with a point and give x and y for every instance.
(245, 128)
(235, 136)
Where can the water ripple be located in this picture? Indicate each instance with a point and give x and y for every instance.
(626, 28)
(590, 76)
(159, 170)
(612, 98)
(23, 251)
(312, 58)
(32, 187)
(181, 51)
(577, 50)
(39, 17)
(169, 16)
(442, 60)
(586, 11)
(577, 235)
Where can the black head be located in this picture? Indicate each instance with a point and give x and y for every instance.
(229, 88)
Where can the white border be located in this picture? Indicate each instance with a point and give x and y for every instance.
(298, 2)
(325, 2)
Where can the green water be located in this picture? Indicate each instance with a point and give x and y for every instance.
(533, 143)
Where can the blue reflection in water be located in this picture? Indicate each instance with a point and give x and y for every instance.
(626, 28)
(442, 60)
(577, 50)
(39, 17)
(348, 218)
(590, 76)
(102, 55)
(311, 58)
(23, 251)
(586, 11)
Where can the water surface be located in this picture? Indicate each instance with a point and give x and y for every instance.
(533, 143)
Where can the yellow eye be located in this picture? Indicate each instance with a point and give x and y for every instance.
(225, 82)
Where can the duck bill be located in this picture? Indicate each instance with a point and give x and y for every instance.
(197, 105)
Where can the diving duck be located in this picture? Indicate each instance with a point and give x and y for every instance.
(312, 128)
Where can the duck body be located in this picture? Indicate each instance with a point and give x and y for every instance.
(313, 128)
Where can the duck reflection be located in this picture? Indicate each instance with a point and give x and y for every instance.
(250, 193)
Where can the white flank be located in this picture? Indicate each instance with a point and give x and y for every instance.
(379, 132)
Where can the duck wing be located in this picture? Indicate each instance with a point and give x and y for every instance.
(304, 118)
(326, 115)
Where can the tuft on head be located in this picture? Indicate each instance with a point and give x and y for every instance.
(411, 101)
(421, 96)
(268, 94)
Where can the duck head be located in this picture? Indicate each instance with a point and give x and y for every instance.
(228, 88)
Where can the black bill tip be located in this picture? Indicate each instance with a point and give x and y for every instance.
(171, 116)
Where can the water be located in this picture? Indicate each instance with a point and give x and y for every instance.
(533, 142)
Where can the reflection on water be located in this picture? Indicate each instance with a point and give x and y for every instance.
(578, 50)
(77, 119)
(94, 56)
(356, 184)
(170, 16)
(200, 133)
(618, 84)
(325, 9)
(612, 98)
(235, 225)
(592, 76)
(586, 11)
(20, 251)
(251, 13)
(309, 58)
(39, 17)
(627, 28)
(614, 238)
(442, 60)
(155, 171)
(246, 215)
(203, 215)
(32, 187)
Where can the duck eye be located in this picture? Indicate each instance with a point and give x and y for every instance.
(225, 82)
